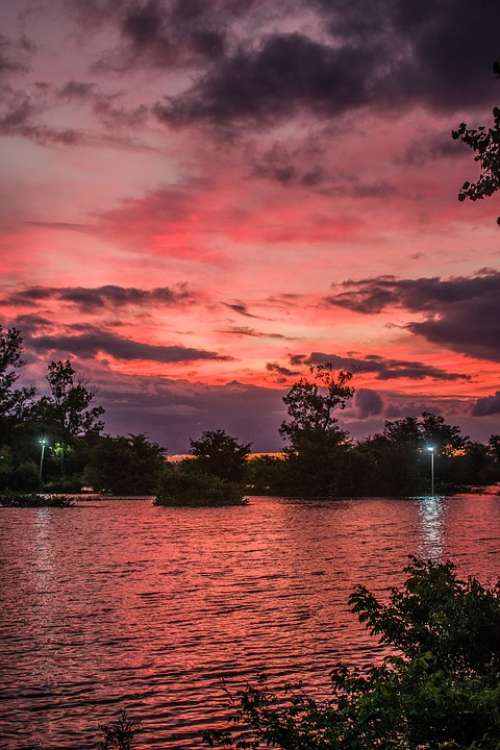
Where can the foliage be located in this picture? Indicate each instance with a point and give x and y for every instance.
(35, 501)
(439, 690)
(268, 474)
(485, 143)
(220, 454)
(67, 411)
(129, 465)
(494, 448)
(14, 402)
(310, 404)
(181, 485)
(119, 734)
(316, 445)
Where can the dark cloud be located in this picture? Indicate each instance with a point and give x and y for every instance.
(29, 324)
(431, 147)
(175, 411)
(104, 106)
(293, 169)
(241, 309)
(461, 313)
(19, 113)
(94, 298)
(22, 112)
(165, 32)
(252, 332)
(384, 369)
(96, 342)
(172, 33)
(260, 85)
(487, 405)
(289, 165)
(280, 370)
(367, 403)
(384, 54)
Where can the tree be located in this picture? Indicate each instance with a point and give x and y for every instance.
(316, 444)
(485, 143)
(494, 447)
(446, 439)
(439, 690)
(67, 411)
(477, 460)
(220, 454)
(13, 402)
(130, 465)
(311, 403)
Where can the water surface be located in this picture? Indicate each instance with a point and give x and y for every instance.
(122, 604)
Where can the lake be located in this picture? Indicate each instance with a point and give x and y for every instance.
(117, 604)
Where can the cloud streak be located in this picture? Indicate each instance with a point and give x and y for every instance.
(91, 299)
(460, 313)
(95, 342)
(381, 367)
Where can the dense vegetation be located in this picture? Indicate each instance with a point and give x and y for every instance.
(320, 458)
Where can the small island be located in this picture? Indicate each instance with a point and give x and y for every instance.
(211, 476)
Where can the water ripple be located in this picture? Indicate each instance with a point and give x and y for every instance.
(121, 604)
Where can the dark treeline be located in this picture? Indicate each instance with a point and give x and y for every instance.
(320, 458)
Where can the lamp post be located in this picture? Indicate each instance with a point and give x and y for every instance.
(430, 448)
(43, 443)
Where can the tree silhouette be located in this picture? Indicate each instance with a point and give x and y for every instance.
(220, 454)
(485, 142)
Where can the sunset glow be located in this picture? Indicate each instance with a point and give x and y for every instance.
(194, 227)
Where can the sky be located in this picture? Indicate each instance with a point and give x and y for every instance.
(200, 199)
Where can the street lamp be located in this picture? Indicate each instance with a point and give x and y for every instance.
(43, 442)
(431, 450)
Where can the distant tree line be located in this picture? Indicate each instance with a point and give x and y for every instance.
(320, 458)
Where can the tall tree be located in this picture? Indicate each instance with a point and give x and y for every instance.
(485, 143)
(68, 411)
(13, 401)
(316, 445)
(311, 403)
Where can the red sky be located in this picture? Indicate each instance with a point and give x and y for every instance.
(200, 198)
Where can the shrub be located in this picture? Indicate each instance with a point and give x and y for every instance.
(14, 500)
(25, 476)
(440, 690)
(188, 487)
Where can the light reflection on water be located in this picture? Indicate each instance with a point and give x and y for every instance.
(432, 509)
(124, 604)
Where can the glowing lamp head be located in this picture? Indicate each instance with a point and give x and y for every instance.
(43, 441)
(430, 448)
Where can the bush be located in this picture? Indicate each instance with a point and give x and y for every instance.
(181, 486)
(25, 477)
(129, 465)
(14, 500)
(440, 690)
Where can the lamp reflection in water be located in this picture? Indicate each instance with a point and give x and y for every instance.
(431, 511)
